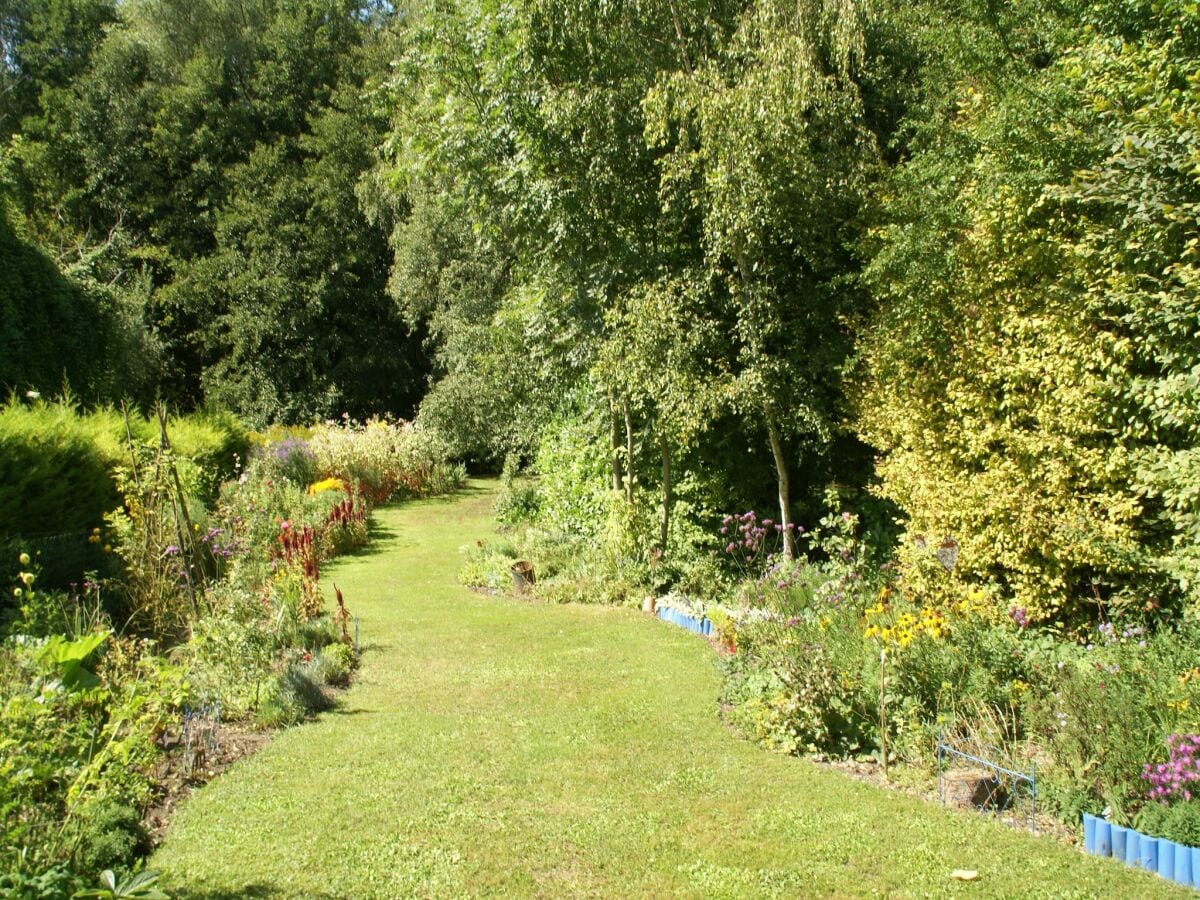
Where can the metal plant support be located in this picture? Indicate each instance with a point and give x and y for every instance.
(1001, 790)
(201, 727)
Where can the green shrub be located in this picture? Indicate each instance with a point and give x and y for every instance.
(1179, 821)
(518, 501)
(230, 654)
(488, 564)
(800, 700)
(1100, 724)
(802, 684)
(574, 469)
(58, 478)
(59, 333)
(55, 475)
(295, 694)
(53, 883)
(334, 664)
(111, 836)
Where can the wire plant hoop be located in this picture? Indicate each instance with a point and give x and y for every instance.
(1002, 790)
(201, 734)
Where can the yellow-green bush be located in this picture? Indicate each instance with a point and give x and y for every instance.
(58, 474)
(1031, 374)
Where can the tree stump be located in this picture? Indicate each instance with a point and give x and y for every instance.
(974, 789)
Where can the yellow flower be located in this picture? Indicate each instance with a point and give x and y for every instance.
(327, 484)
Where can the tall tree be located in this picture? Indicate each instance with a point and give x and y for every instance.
(769, 144)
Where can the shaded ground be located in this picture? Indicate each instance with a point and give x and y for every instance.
(493, 746)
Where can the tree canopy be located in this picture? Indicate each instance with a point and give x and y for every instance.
(934, 260)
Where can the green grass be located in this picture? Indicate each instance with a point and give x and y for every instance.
(491, 746)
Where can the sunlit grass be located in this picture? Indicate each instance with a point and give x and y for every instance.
(491, 746)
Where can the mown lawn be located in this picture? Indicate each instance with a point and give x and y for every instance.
(491, 746)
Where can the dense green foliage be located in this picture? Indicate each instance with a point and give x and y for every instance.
(939, 256)
(1030, 376)
(61, 474)
(745, 248)
(191, 173)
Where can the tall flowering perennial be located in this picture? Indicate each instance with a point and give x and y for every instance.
(751, 543)
(1179, 777)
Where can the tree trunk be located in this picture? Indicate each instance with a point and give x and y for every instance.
(618, 479)
(781, 472)
(628, 451)
(687, 63)
(665, 446)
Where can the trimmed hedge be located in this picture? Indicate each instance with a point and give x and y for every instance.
(57, 471)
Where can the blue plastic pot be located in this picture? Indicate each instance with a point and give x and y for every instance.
(1166, 858)
(1132, 840)
(1089, 832)
(1182, 870)
(1120, 837)
(1148, 853)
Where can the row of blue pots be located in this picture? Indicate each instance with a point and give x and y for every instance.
(1169, 859)
(683, 620)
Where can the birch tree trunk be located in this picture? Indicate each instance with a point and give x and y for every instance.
(618, 480)
(781, 473)
(628, 451)
(665, 447)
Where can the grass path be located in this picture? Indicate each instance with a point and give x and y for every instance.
(494, 747)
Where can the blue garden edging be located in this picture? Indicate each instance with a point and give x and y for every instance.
(683, 620)
(1177, 862)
